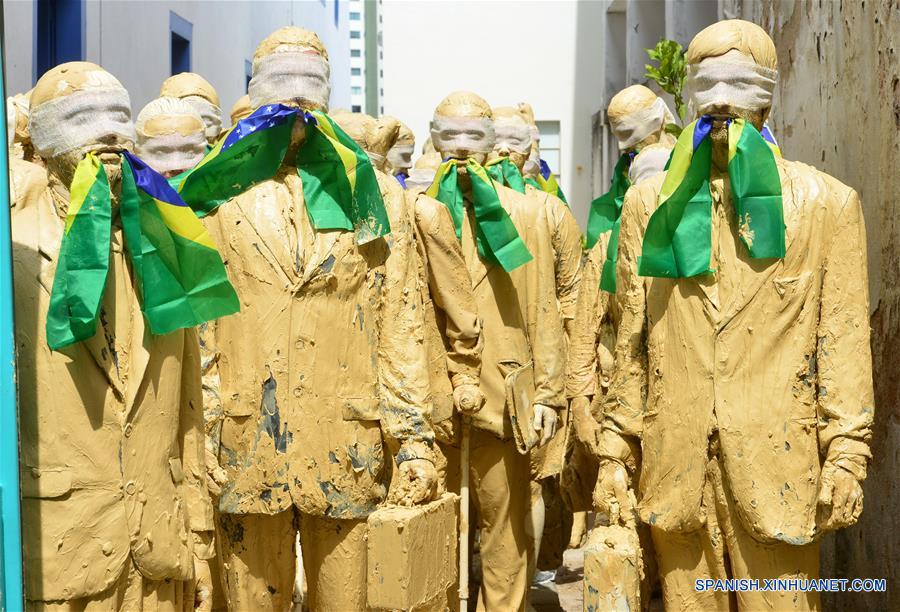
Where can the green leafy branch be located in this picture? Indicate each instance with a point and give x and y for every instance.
(669, 74)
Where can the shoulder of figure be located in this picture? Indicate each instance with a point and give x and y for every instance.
(428, 210)
(644, 195)
(812, 188)
(521, 205)
(556, 207)
(396, 202)
(26, 180)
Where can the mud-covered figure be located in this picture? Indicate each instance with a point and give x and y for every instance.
(743, 368)
(200, 94)
(512, 147)
(322, 375)
(171, 136)
(512, 274)
(453, 329)
(113, 478)
(638, 118)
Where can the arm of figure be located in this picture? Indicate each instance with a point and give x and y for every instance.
(451, 292)
(403, 367)
(582, 364)
(620, 430)
(193, 458)
(846, 396)
(212, 406)
(544, 329)
(209, 371)
(567, 247)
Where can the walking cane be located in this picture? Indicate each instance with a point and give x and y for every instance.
(464, 518)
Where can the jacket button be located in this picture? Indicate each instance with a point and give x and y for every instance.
(296, 391)
(128, 429)
(129, 488)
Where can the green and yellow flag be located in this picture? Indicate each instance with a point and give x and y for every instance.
(496, 236)
(605, 216)
(504, 171)
(180, 279)
(678, 239)
(339, 183)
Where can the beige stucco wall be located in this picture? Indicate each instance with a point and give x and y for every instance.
(838, 108)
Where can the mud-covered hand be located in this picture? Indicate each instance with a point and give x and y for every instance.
(612, 494)
(203, 585)
(545, 419)
(586, 427)
(467, 398)
(216, 477)
(417, 478)
(840, 497)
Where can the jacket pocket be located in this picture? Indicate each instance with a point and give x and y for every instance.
(790, 287)
(519, 384)
(43, 483)
(360, 409)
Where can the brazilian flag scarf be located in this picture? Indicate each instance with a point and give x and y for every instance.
(180, 279)
(496, 236)
(339, 183)
(546, 181)
(605, 216)
(503, 171)
(678, 239)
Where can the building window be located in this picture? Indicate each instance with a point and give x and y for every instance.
(356, 108)
(355, 52)
(180, 34)
(59, 38)
(356, 90)
(354, 16)
(356, 72)
(550, 145)
(355, 34)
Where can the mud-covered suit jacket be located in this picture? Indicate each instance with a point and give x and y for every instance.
(112, 466)
(453, 329)
(773, 355)
(324, 363)
(521, 323)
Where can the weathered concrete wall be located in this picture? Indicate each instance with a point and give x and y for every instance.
(838, 108)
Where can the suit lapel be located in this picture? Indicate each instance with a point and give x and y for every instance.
(756, 272)
(316, 251)
(477, 267)
(139, 352)
(265, 249)
(100, 345)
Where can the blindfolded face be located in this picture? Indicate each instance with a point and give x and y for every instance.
(400, 157)
(463, 137)
(172, 154)
(298, 78)
(90, 120)
(513, 140)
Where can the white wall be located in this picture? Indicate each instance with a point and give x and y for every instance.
(544, 52)
(131, 40)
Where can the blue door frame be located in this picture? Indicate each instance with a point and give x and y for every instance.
(11, 595)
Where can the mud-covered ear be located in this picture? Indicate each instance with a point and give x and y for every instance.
(383, 135)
